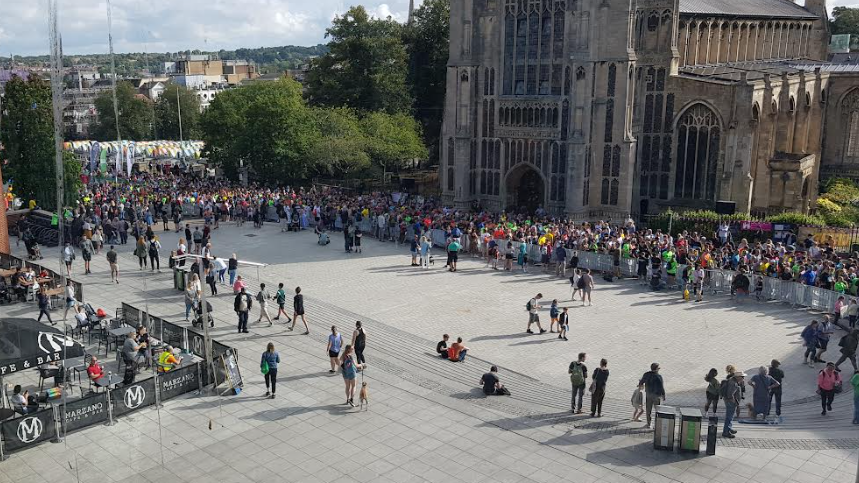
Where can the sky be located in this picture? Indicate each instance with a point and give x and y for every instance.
(176, 25)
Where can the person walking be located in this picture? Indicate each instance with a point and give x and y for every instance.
(809, 340)
(233, 268)
(87, 250)
(140, 252)
(533, 317)
(654, 391)
(698, 277)
(563, 323)
(350, 369)
(335, 341)
(587, 284)
(731, 395)
(825, 332)
(425, 252)
(359, 341)
(598, 386)
(827, 381)
(262, 297)
(848, 344)
(280, 298)
(70, 298)
(268, 363)
(68, 258)
(578, 377)
(113, 260)
(42, 298)
(762, 385)
(712, 392)
(776, 373)
(453, 253)
(298, 310)
(242, 305)
(154, 254)
(554, 314)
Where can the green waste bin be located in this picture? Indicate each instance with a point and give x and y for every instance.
(663, 434)
(690, 430)
(178, 279)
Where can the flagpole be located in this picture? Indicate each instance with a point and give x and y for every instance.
(115, 105)
(179, 110)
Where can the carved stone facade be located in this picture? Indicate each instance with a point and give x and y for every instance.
(600, 108)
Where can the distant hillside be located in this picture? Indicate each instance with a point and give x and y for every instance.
(269, 59)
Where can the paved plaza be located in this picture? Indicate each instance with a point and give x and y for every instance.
(428, 419)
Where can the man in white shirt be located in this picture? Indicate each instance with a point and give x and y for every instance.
(533, 316)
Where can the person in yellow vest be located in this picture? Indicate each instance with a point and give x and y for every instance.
(167, 361)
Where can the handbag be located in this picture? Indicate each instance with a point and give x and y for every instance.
(837, 387)
(263, 367)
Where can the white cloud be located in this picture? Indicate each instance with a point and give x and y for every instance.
(169, 25)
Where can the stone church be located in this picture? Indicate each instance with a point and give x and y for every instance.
(610, 108)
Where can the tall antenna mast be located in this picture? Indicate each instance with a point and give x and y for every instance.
(115, 104)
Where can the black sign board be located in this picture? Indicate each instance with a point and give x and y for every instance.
(171, 334)
(84, 412)
(196, 343)
(231, 366)
(131, 315)
(178, 381)
(28, 430)
(135, 396)
(219, 349)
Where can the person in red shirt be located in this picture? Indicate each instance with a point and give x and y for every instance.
(94, 370)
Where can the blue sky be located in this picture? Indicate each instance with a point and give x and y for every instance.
(173, 25)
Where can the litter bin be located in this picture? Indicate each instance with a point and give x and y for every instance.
(690, 430)
(663, 436)
(178, 279)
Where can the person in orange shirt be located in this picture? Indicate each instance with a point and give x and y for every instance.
(457, 351)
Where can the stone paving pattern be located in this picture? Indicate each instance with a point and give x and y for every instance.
(427, 420)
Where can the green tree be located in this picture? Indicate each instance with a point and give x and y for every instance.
(266, 126)
(135, 115)
(341, 149)
(393, 139)
(27, 144)
(365, 68)
(427, 40)
(845, 20)
(167, 113)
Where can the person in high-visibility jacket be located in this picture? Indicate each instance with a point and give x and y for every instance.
(167, 361)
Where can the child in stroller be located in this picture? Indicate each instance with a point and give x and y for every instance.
(198, 315)
(33, 250)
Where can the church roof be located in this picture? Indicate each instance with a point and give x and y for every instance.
(755, 70)
(745, 8)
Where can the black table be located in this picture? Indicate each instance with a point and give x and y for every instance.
(107, 381)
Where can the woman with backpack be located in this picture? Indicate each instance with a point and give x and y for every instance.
(154, 251)
(350, 373)
(268, 366)
(828, 383)
(712, 393)
(140, 252)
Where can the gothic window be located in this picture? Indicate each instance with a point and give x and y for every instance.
(645, 154)
(650, 79)
(612, 198)
(698, 145)
(533, 46)
(604, 191)
(565, 119)
(486, 81)
(568, 81)
(450, 151)
(669, 113)
(492, 118)
(556, 79)
(648, 113)
(660, 80)
(546, 35)
(450, 179)
(666, 153)
(562, 164)
(615, 161)
(545, 87)
(850, 114)
(606, 160)
(485, 118)
(756, 113)
(558, 48)
(472, 183)
(657, 113)
(509, 36)
(791, 106)
(586, 188)
(483, 182)
(521, 51)
(496, 184)
(612, 77)
(652, 22)
(609, 119)
(580, 73)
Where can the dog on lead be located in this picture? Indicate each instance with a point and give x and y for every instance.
(364, 395)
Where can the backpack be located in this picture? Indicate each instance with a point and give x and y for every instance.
(528, 306)
(723, 389)
(260, 297)
(577, 376)
(581, 282)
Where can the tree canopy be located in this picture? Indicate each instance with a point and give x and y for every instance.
(135, 115)
(27, 144)
(365, 68)
(167, 113)
(395, 139)
(845, 20)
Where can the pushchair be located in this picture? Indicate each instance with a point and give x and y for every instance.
(198, 315)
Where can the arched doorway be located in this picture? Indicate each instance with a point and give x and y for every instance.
(526, 189)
